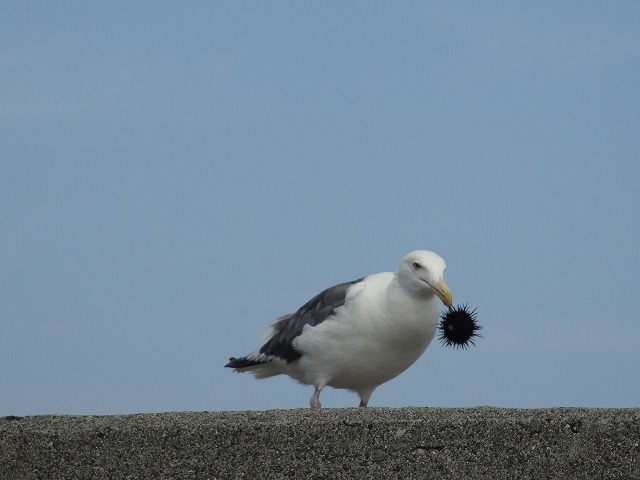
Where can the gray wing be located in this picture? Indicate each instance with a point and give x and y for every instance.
(315, 311)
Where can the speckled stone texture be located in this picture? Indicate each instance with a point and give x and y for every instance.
(371, 443)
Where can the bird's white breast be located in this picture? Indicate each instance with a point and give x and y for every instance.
(377, 334)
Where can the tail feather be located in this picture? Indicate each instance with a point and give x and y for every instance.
(243, 362)
(261, 366)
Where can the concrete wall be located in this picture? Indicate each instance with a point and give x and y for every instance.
(327, 444)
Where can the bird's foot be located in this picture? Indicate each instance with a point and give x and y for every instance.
(315, 398)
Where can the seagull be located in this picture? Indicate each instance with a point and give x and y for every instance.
(356, 335)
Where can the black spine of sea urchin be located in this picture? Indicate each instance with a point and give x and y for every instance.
(458, 327)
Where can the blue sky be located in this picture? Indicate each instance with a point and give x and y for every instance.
(176, 175)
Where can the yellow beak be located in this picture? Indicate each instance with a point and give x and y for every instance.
(442, 291)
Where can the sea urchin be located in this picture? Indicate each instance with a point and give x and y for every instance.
(458, 327)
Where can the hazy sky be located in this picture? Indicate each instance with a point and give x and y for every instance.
(176, 175)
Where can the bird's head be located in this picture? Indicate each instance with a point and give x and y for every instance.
(422, 271)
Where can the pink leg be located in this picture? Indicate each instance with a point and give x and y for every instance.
(315, 398)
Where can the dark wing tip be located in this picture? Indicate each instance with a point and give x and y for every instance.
(242, 362)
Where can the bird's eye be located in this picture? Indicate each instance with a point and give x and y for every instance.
(416, 266)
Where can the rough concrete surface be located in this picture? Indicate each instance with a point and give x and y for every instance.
(366, 443)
